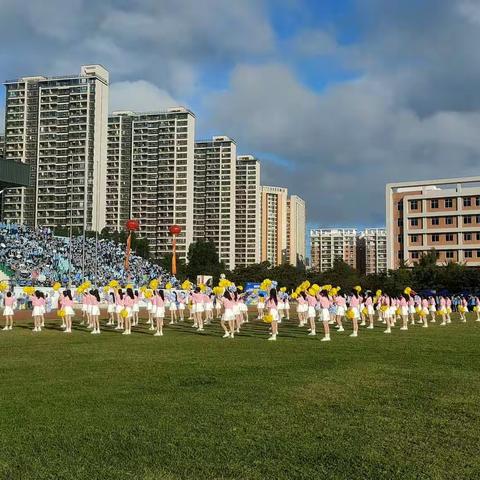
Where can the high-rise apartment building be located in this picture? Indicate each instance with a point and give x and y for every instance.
(150, 175)
(372, 251)
(296, 228)
(274, 224)
(214, 195)
(247, 211)
(443, 215)
(58, 125)
(330, 244)
(2, 146)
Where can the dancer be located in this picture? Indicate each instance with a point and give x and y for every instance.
(135, 308)
(403, 304)
(411, 309)
(463, 309)
(181, 306)
(286, 306)
(424, 312)
(261, 306)
(218, 307)
(37, 310)
(387, 312)
(8, 310)
(111, 308)
(272, 307)
(173, 308)
(341, 304)
(370, 310)
(66, 302)
(354, 304)
(197, 309)
(325, 315)
(128, 301)
(302, 309)
(119, 298)
(312, 303)
(442, 311)
(432, 308)
(159, 312)
(477, 308)
(228, 318)
(95, 311)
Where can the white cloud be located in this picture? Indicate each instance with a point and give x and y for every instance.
(139, 96)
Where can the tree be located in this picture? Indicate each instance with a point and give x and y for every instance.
(203, 260)
(166, 264)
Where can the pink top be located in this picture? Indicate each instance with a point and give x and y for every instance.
(403, 302)
(354, 301)
(271, 304)
(369, 301)
(340, 301)
(386, 301)
(324, 302)
(158, 301)
(449, 302)
(118, 300)
(206, 298)
(312, 301)
(411, 302)
(442, 302)
(127, 301)
(464, 302)
(93, 300)
(9, 301)
(301, 300)
(197, 297)
(228, 304)
(424, 303)
(66, 302)
(36, 302)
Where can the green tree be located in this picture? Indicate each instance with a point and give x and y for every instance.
(203, 259)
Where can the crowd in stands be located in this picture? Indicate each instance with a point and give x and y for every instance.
(37, 255)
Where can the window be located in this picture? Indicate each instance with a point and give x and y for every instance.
(468, 254)
(467, 220)
(400, 255)
(448, 220)
(434, 203)
(478, 237)
(414, 238)
(435, 221)
(448, 203)
(478, 253)
(467, 237)
(435, 238)
(414, 222)
(414, 204)
(477, 201)
(400, 238)
(400, 222)
(415, 255)
(477, 218)
(449, 237)
(400, 206)
(467, 202)
(449, 254)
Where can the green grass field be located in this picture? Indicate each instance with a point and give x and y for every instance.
(196, 406)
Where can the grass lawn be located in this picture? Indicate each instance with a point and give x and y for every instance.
(196, 406)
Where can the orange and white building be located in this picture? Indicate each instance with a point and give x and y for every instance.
(443, 215)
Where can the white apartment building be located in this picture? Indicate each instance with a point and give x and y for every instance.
(150, 175)
(440, 215)
(214, 195)
(372, 251)
(296, 231)
(58, 125)
(330, 244)
(273, 206)
(247, 207)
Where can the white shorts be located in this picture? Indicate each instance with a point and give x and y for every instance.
(228, 315)
(181, 306)
(370, 310)
(173, 307)
(341, 310)
(95, 310)
(432, 308)
(324, 315)
(160, 312)
(7, 311)
(274, 313)
(118, 308)
(404, 311)
(236, 309)
(136, 307)
(69, 311)
(260, 305)
(311, 312)
(110, 308)
(243, 307)
(208, 307)
(199, 307)
(37, 311)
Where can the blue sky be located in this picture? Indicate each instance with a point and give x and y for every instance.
(335, 97)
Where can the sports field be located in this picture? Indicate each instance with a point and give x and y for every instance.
(196, 406)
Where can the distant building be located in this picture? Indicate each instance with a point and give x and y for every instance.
(372, 251)
(247, 211)
(214, 195)
(435, 214)
(330, 244)
(150, 175)
(58, 125)
(274, 224)
(296, 231)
